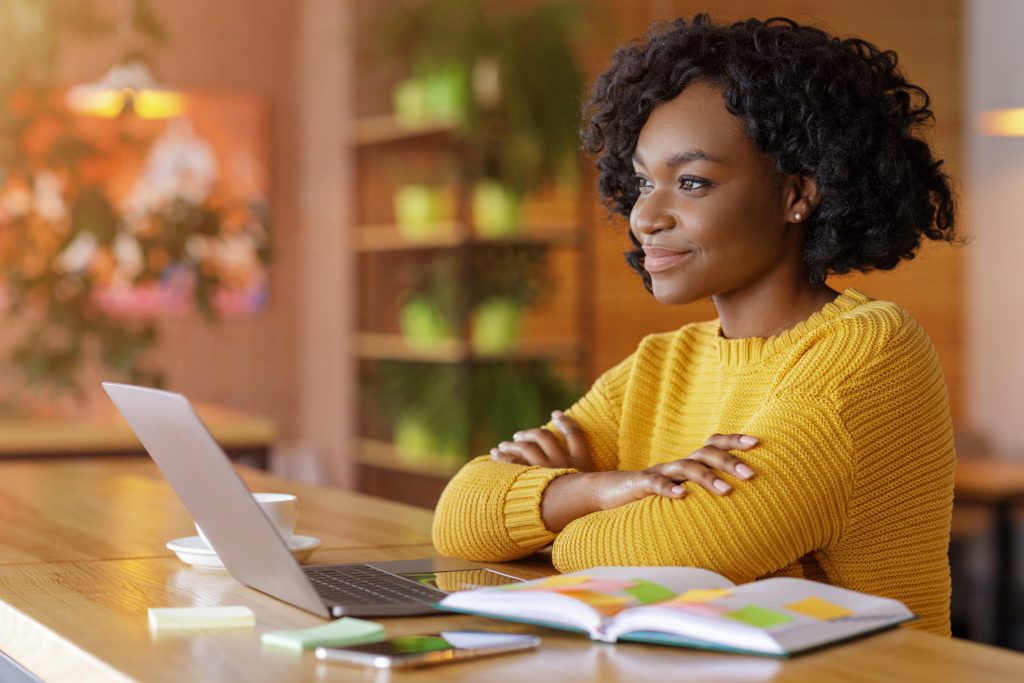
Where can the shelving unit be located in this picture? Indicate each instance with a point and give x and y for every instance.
(383, 144)
(388, 155)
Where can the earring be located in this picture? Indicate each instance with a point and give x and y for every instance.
(798, 216)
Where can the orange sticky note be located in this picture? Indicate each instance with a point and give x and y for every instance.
(562, 582)
(600, 599)
(818, 608)
(701, 595)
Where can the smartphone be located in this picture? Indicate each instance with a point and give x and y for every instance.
(438, 648)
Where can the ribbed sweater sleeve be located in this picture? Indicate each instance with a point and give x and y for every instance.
(897, 539)
(490, 511)
(796, 503)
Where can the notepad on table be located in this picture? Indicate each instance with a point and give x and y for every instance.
(339, 633)
(688, 607)
(182, 618)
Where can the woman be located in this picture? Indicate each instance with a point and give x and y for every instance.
(805, 432)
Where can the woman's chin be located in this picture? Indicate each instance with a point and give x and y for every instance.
(673, 294)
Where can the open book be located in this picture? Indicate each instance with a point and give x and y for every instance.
(689, 608)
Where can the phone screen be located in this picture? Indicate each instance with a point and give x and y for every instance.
(458, 644)
(406, 645)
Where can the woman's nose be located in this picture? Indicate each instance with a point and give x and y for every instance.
(649, 216)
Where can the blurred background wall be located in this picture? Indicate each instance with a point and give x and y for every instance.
(290, 361)
(295, 361)
(994, 176)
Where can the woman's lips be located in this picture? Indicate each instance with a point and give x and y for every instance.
(658, 260)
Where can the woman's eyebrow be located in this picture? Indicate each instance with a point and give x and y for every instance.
(680, 158)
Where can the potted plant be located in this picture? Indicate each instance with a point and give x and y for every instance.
(509, 80)
(500, 281)
(442, 413)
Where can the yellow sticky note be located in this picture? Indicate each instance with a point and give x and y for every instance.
(701, 595)
(818, 608)
(562, 582)
(600, 599)
(185, 618)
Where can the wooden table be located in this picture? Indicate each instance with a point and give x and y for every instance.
(245, 436)
(82, 558)
(997, 483)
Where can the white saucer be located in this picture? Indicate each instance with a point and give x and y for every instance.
(192, 550)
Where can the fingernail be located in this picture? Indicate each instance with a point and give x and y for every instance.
(557, 416)
(678, 491)
(494, 452)
(517, 436)
(744, 471)
(748, 440)
(721, 486)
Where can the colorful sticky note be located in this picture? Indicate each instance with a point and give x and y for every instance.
(559, 582)
(562, 582)
(185, 618)
(760, 617)
(343, 632)
(701, 595)
(819, 608)
(603, 586)
(647, 592)
(705, 609)
(599, 599)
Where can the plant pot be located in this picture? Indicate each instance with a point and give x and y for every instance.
(421, 211)
(418, 442)
(423, 324)
(496, 209)
(439, 95)
(497, 325)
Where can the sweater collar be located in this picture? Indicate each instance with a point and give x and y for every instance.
(750, 350)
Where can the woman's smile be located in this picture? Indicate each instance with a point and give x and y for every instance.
(659, 259)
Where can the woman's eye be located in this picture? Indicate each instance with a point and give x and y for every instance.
(642, 183)
(692, 184)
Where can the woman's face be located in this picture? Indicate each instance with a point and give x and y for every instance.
(712, 211)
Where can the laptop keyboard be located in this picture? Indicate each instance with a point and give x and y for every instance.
(362, 585)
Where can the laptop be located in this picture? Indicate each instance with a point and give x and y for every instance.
(246, 540)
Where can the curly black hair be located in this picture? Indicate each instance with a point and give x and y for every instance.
(839, 111)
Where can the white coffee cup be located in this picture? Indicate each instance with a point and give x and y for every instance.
(281, 508)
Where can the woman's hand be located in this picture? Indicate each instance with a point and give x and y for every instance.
(666, 479)
(541, 447)
(572, 496)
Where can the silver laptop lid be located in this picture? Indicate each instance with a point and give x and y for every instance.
(202, 476)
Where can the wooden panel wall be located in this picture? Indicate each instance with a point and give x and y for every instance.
(926, 35)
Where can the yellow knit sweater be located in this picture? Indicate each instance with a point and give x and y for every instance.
(854, 467)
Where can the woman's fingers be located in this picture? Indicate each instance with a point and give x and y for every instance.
(689, 470)
(507, 456)
(527, 451)
(541, 447)
(575, 440)
(703, 465)
(548, 443)
(719, 457)
(658, 484)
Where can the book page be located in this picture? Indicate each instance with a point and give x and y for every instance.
(774, 615)
(585, 599)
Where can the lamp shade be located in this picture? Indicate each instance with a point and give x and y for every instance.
(127, 87)
(1001, 122)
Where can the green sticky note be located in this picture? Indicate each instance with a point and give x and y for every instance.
(648, 591)
(761, 617)
(340, 633)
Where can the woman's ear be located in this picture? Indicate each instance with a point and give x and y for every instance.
(801, 198)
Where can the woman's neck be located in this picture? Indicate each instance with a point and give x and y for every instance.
(770, 308)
